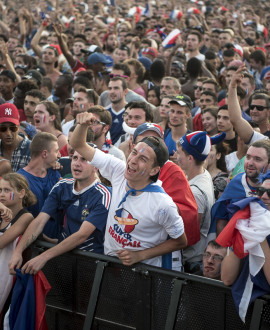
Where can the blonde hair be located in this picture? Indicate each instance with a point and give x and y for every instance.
(19, 182)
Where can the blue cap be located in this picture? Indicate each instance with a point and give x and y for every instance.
(146, 62)
(97, 58)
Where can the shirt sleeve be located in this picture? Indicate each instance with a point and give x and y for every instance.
(257, 136)
(169, 218)
(109, 166)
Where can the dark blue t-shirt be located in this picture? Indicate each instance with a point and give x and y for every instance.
(91, 204)
(40, 187)
(117, 120)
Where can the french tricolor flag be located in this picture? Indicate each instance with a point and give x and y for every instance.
(176, 15)
(170, 40)
(245, 231)
(194, 11)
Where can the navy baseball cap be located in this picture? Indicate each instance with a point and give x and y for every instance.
(148, 127)
(97, 58)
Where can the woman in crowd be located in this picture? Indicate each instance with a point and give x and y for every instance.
(15, 196)
(153, 95)
(216, 166)
(209, 120)
(164, 110)
(47, 119)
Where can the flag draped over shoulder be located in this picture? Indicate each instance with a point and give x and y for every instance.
(249, 226)
(236, 190)
(172, 176)
(27, 308)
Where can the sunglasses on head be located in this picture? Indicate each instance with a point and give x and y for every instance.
(11, 128)
(196, 86)
(261, 190)
(258, 107)
(111, 75)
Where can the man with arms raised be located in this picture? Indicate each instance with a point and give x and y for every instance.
(141, 215)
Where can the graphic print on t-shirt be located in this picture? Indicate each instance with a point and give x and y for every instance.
(121, 231)
(129, 222)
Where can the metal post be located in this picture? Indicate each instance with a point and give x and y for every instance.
(90, 314)
(173, 308)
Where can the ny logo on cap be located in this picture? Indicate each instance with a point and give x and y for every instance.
(8, 111)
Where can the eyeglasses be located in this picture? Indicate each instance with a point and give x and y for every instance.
(258, 107)
(111, 75)
(97, 122)
(196, 87)
(261, 190)
(11, 128)
(215, 257)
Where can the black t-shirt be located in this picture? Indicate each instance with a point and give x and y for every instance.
(232, 144)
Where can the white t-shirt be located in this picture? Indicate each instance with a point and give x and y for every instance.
(257, 136)
(203, 191)
(151, 216)
(67, 126)
(231, 161)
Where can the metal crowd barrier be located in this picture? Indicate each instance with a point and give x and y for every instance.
(92, 291)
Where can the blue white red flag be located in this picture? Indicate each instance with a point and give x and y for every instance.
(170, 40)
(245, 231)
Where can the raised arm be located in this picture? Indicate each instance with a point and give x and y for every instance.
(78, 138)
(8, 61)
(241, 126)
(63, 45)
(30, 235)
(34, 43)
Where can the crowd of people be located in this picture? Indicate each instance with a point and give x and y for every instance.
(139, 130)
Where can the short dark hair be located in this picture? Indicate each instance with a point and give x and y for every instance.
(213, 82)
(145, 107)
(262, 144)
(91, 94)
(27, 85)
(105, 115)
(85, 82)
(258, 56)
(124, 67)
(210, 93)
(47, 82)
(260, 96)
(36, 93)
(197, 162)
(197, 33)
(215, 245)
(228, 53)
(124, 83)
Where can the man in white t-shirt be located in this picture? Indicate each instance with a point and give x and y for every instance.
(141, 214)
(192, 150)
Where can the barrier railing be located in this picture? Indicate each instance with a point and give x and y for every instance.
(92, 291)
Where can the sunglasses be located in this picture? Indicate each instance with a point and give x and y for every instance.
(111, 75)
(261, 190)
(97, 122)
(196, 86)
(11, 128)
(258, 107)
